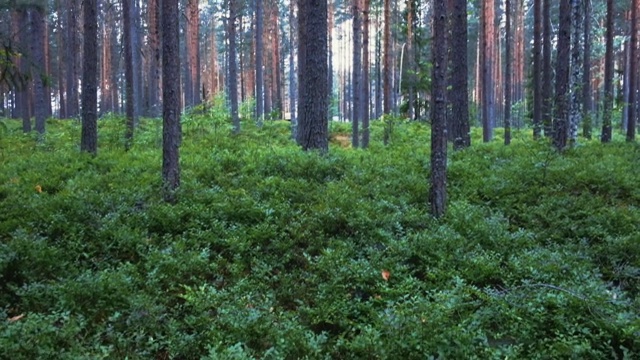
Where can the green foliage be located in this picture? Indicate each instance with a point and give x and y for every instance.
(277, 253)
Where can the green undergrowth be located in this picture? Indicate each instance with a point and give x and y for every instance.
(274, 253)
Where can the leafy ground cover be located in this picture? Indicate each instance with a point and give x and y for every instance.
(274, 253)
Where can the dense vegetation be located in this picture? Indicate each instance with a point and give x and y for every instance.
(275, 253)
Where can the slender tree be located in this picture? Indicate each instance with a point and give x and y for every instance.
(507, 74)
(154, 57)
(575, 115)
(170, 99)
(292, 78)
(37, 29)
(192, 86)
(356, 74)
(312, 75)
(488, 94)
(366, 101)
(128, 72)
(89, 137)
(561, 115)
(72, 59)
(438, 192)
(632, 114)
(459, 77)
(608, 76)
(259, 57)
(586, 73)
(388, 56)
(547, 71)
(537, 68)
(233, 70)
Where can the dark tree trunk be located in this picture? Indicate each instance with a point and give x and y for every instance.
(537, 68)
(378, 69)
(20, 21)
(507, 74)
(587, 106)
(136, 57)
(357, 74)
(632, 114)
(365, 75)
(128, 72)
(312, 70)
(608, 76)
(459, 77)
(292, 77)
(39, 72)
(547, 71)
(259, 57)
(170, 99)
(233, 70)
(561, 116)
(438, 191)
(89, 139)
(72, 59)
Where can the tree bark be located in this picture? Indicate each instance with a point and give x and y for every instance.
(488, 95)
(89, 137)
(154, 58)
(312, 80)
(632, 114)
(438, 190)
(576, 71)
(365, 75)
(608, 76)
(561, 116)
(459, 77)
(356, 74)
(537, 68)
(41, 97)
(170, 99)
(547, 71)
(259, 58)
(507, 74)
(72, 59)
(192, 90)
(387, 59)
(233, 71)
(128, 72)
(587, 105)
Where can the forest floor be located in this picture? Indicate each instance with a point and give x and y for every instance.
(274, 253)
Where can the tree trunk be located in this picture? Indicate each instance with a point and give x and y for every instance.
(632, 119)
(507, 74)
(192, 90)
(547, 71)
(20, 20)
(356, 74)
(488, 98)
(154, 58)
(292, 78)
(459, 77)
(576, 71)
(587, 107)
(410, 67)
(259, 58)
(128, 72)
(312, 80)
(537, 67)
(233, 71)
(72, 59)
(608, 76)
(438, 190)
(388, 80)
(170, 99)
(89, 138)
(366, 91)
(39, 72)
(561, 116)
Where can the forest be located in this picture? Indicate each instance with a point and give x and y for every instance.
(319, 179)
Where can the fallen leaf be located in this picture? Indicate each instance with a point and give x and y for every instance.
(38, 189)
(16, 318)
(385, 275)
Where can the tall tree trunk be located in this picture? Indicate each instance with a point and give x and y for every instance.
(292, 77)
(41, 97)
(632, 119)
(20, 21)
(388, 80)
(378, 51)
(233, 71)
(259, 58)
(547, 71)
(576, 71)
(519, 62)
(507, 74)
(561, 116)
(410, 63)
(128, 72)
(438, 190)
(488, 95)
(153, 9)
(136, 57)
(170, 99)
(608, 76)
(357, 74)
(587, 107)
(537, 68)
(277, 79)
(366, 91)
(89, 137)
(312, 81)
(459, 77)
(192, 90)
(72, 59)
